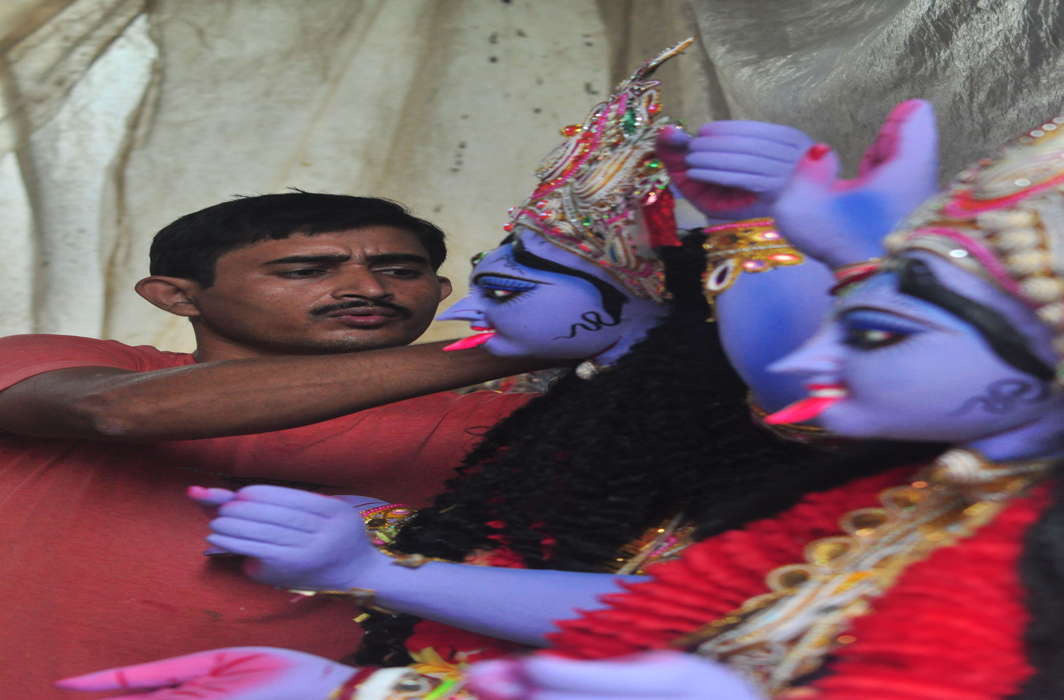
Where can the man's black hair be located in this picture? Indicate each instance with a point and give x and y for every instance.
(190, 246)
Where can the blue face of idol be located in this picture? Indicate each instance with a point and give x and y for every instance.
(889, 365)
(571, 311)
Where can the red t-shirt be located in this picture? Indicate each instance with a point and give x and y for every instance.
(101, 552)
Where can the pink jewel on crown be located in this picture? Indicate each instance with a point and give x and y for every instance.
(603, 194)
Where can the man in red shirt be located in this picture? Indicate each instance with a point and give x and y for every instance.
(301, 304)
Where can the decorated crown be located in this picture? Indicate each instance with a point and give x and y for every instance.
(603, 194)
(1003, 219)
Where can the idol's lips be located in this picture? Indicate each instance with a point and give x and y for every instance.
(470, 342)
(821, 396)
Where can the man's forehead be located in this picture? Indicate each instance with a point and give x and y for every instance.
(354, 243)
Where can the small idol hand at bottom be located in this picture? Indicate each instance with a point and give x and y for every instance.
(295, 539)
(660, 675)
(236, 673)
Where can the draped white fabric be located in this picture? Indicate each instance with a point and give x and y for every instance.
(117, 116)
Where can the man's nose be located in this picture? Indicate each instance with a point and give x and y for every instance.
(360, 281)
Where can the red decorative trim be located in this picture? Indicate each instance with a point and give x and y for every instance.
(950, 629)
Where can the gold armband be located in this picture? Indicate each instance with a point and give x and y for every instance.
(750, 245)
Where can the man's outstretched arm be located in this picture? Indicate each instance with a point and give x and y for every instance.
(234, 397)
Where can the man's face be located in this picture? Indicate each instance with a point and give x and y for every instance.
(359, 289)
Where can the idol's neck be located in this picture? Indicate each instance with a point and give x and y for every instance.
(1043, 437)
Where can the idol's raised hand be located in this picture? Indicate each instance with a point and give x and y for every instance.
(294, 538)
(661, 675)
(844, 221)
(733, 169)
(236, 673)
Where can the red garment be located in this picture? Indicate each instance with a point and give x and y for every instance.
(950, 627)
(101, 551)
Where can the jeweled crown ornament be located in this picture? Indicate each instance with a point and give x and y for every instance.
(603, 194)
(1003, 219)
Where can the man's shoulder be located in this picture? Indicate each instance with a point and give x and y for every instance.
(23, 356)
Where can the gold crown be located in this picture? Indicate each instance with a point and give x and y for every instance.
(603, 194)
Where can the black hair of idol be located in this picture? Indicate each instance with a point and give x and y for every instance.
(571, 477)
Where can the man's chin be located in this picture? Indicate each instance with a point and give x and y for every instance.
(361, 340)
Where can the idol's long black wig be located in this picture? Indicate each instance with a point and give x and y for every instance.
(580, 471)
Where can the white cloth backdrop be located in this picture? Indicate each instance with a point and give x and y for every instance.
(117, 116)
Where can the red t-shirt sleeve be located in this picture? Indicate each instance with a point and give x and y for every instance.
(25, 356)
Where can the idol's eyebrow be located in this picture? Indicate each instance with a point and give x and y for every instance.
(497, 275)
(843, 313)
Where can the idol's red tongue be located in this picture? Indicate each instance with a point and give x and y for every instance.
(470, 342)
(800, 411)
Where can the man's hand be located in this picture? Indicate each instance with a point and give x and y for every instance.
(236, 673)
(733, 169)
(844, 221)
(295, 539)
(652, 676)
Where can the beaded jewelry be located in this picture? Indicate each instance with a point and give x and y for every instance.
(603, 194)
(780, 636)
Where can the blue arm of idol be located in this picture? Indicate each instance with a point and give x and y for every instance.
(303, 540)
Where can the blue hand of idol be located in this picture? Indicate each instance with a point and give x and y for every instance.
(732, 170)
(298, 539)
(649, 676)
(235, 673)
(844, 221)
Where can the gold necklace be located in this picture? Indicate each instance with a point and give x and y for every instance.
(784, 634)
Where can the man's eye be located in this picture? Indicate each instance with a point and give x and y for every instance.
(302, 272)
(403, 273)
(872, 338)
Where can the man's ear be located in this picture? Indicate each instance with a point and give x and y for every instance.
(445, 287)
(175, 295)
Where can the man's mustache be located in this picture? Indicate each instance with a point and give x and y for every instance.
(400, 311)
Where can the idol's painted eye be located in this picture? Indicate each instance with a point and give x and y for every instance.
(868, 329)
(871, 338)
(502, 288)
